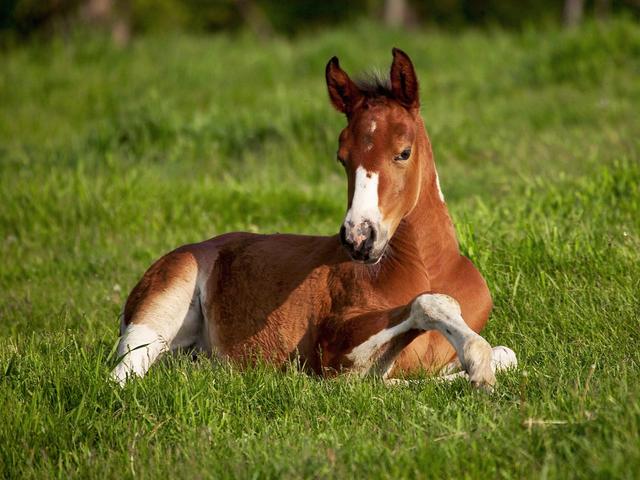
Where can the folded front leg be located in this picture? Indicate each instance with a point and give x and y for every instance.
(370, 343)
(442, 313)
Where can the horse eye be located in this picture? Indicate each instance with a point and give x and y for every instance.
(406, 153)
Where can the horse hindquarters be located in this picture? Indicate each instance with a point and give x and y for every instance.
(162, 313)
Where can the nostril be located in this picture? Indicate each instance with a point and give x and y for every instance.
(368, 244)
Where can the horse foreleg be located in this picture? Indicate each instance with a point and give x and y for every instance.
(370, 343)
(502, 358)
(442, 313)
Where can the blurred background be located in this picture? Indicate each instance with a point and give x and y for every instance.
(24, 19)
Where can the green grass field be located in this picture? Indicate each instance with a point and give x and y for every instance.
(110, 158)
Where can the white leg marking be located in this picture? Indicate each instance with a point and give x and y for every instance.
(452, 367)
(442, 313)
(164, 321)
(399, 381)
(139, 347)
(191, 331)
(502, 358)
(364, 355)
(453, 376)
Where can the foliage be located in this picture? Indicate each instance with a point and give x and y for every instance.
(110, 157)
(24, 18)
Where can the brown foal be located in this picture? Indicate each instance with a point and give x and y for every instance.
(389, 295)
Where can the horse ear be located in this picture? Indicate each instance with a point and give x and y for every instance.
(344, 94)
(404, 82)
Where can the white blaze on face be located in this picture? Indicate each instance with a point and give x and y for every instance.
(364, 205)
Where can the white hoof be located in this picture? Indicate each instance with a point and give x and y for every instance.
(396, 382)
(503, 359)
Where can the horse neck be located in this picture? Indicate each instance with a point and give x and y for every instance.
(426, 238)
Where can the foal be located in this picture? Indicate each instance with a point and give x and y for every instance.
(389, 295)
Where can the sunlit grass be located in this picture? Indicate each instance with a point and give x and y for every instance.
(109, 158)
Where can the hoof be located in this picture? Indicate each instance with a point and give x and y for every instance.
(478, 357)
(397, 382)
(503, 359)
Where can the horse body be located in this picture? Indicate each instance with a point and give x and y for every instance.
(387, 295)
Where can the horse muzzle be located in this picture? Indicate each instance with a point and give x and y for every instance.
(363, 241)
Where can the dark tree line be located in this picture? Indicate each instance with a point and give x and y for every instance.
(23, 18)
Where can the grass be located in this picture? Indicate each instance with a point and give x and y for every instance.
(109, 158)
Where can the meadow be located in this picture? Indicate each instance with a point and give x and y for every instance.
(111, 157)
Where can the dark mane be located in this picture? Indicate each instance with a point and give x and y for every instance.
(373, 85)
